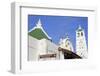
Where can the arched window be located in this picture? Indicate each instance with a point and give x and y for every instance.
(78, 34)
(81, 33)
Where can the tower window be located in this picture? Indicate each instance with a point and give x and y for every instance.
(81, 33)
(78, 34)
(68, 43)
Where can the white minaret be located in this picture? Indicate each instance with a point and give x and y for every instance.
(81, 46)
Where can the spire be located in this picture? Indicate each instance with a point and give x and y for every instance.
(39, 24)
(67, 37)
(79, 28)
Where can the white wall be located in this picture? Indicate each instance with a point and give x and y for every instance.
(32, 48)
(5, 42)
(40, 47)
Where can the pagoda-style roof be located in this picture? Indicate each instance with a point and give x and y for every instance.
(38, 32)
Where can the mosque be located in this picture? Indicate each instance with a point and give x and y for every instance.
(41, 47)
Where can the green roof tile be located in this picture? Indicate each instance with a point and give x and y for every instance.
(38, 34)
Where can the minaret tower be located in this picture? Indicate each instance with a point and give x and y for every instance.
(81, 46)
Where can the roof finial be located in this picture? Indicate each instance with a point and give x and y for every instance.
(39, 24)
(79, 27)
(67, 37)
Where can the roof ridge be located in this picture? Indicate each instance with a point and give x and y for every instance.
(39, 25)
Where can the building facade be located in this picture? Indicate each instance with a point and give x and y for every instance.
(40, 45)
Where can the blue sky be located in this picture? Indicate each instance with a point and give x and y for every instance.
(60, 26)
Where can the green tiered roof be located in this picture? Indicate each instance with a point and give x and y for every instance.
(38, 34)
